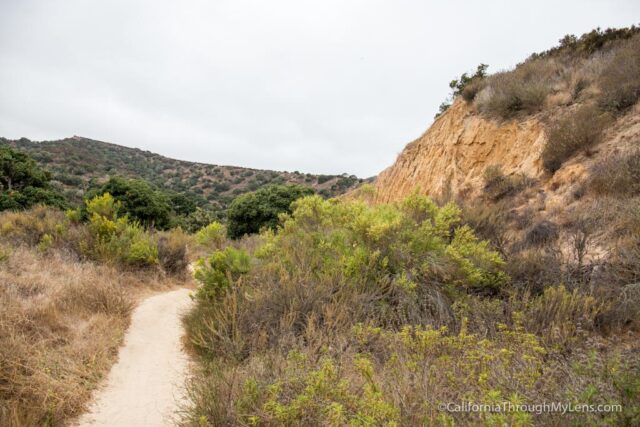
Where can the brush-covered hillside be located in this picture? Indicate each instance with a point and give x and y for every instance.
(78, 163)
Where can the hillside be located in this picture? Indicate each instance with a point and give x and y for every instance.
(78, 162)
(560, 106)
(539, 154)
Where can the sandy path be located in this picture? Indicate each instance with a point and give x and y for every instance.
(145, 386)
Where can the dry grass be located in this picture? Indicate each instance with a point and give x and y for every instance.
(172, 251)
(518, 92)
(497, 185)
(61, 323)
(617, 175)
(578, 130)
(607, 75)
(620, 80)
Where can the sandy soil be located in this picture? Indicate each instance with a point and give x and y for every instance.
(145, 386)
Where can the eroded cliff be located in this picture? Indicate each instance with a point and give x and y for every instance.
(454, 152)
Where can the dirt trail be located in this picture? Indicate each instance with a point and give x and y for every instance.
(145, 386)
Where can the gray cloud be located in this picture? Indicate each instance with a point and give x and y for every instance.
(317, 86)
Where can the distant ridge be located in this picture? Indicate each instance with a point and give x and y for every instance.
(79, 162)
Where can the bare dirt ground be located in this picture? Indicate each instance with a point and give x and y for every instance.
(145, 386)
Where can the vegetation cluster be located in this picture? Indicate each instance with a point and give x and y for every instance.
(351, 314)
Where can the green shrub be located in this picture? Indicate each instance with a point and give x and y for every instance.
(354, 314)
(566, 135)
(212, 236)
(139, 200)
(443, 108)
(142, 251)
(45, 243)
(469, 86)
(412, 372)
(562, 317)
(198, 219)
(322, 393)
(115, 239)
(219, 271)
(588, 43)
(24, 184)
(250, 212)
(466, 86)
(406, 257)
(321, 179)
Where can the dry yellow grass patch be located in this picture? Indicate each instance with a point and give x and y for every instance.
(61, 324)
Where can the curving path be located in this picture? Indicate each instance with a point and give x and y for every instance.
(145, 386)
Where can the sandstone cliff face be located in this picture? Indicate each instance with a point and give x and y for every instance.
(454, 152)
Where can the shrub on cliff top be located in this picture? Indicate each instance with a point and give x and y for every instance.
(518, 92)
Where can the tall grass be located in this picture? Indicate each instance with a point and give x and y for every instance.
(61, 323)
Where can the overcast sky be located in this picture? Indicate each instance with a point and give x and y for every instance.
(316, 86)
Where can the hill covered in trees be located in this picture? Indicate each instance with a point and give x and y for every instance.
(78, 164)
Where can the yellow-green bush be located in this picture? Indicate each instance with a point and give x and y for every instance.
(395, 263)
(105, 236)
(212, 236)
(415, 238)
(115, 239)
(217, 273)
(386, 378)
(562, 317)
